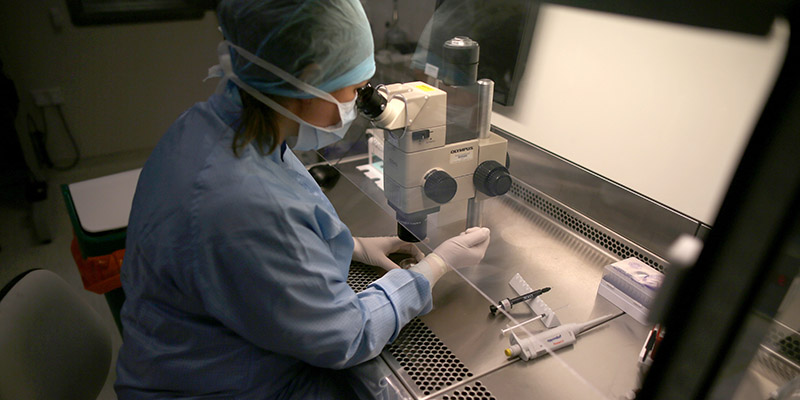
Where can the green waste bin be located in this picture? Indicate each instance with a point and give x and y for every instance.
(98, 210)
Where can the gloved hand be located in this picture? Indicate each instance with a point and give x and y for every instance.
(464, 250)
(374, 250)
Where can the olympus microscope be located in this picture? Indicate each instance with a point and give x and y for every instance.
(438, 148)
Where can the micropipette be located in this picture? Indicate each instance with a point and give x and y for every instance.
(507, 303)
(531, 347)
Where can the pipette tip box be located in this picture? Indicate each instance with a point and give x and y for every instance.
(631, 285)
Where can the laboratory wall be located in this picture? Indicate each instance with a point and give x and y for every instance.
(122, 85)
(663, 109)
(411, 17)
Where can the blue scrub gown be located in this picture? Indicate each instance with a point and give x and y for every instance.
(235, 275)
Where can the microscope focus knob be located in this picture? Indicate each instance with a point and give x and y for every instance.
(440, 186)
(492, 178)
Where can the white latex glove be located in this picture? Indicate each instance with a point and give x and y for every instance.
(464, 250)
(374, 250)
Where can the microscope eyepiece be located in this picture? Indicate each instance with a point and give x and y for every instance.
(370, 102)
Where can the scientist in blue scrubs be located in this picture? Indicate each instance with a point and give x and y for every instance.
(236, 263)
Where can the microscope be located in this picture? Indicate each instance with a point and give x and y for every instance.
(438, 148)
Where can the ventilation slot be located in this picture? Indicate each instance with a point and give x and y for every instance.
(360, 276)
(779, 354)
(569, 219)
(476, 391)
(424, 361)
(431, 366)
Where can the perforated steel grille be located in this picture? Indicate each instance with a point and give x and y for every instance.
(475, 391)
(779, 354)
(790, 346)
(578, 225)
(420, 355)
(426, 359)
(361, 276)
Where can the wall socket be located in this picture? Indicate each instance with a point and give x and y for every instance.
(48, 97)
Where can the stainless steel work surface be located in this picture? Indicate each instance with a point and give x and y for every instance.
(603, 361)
(544, 255)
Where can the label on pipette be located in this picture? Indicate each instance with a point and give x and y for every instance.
(537, 345)
(530, 347)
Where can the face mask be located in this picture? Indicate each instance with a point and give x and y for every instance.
(310, 137)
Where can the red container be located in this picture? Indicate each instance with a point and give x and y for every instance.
(99, 274)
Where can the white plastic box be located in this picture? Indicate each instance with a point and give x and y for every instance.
(631, 285)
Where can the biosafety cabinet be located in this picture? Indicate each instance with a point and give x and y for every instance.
(710, 310)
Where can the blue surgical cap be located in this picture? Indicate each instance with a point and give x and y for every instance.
(325, 43)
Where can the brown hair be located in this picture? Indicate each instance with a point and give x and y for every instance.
(257, 123)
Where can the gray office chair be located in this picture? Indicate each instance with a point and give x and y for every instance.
(53, 345)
